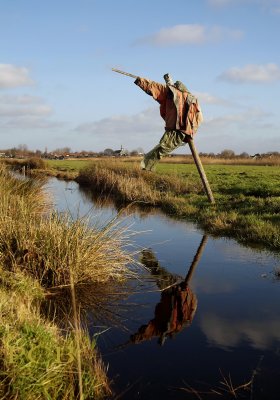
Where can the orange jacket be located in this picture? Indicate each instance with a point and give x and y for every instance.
(180, 110)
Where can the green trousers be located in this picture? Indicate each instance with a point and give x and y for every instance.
(170, 141)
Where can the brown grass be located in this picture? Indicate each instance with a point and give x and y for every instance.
(126, 182)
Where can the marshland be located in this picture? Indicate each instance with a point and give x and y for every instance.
(92, 259)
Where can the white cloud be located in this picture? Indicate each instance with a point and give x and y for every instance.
(189, 34)
(144, 121)
(30, 122)
(22, 99)
(250, 129)
(24, 112)
(138, 130)
(42, 110)
(252, 114)
(229, 130)
(25, 105)
(208, 98)
(252, 73)
(12, 76)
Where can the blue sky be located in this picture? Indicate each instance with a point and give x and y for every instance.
(57, 88)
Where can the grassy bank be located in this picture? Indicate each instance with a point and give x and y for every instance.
(247, 192)
(41, 250)
(247, 197)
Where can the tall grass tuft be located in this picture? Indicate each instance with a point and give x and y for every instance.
(45, 246)
(41, 250)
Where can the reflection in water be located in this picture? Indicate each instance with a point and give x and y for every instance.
(104, 200)
(98, 303)
(221, 332)
(177, 305)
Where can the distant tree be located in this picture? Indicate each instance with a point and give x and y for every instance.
(244, 155)
(63, 150)
(227, 153)
(108, 152)
(22, 150)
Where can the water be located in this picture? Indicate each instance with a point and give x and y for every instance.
(231, 303)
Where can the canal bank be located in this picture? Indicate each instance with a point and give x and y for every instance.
(233, 333)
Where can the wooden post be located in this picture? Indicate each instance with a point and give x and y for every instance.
(201, 171)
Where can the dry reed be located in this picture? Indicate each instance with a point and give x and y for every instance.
(40, 249)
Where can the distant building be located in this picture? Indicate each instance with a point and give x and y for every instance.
(120, 153)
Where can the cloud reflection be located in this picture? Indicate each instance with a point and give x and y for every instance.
(226, 333)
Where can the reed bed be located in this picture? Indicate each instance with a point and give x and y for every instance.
(42, 251)
(48, 246)
(126, 182)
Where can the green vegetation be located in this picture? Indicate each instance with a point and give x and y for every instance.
(40, 250)
(37, 361)
(247, 197)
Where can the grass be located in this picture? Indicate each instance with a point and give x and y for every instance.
(187, 159)
(37, 361)
(45, 244)
(247, 196)
(41, 252)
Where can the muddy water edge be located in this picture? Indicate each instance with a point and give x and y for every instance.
(213, 333)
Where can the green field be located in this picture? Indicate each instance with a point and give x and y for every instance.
(259, 181)
(68, 165)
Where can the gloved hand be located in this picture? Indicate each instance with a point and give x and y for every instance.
(168, 79)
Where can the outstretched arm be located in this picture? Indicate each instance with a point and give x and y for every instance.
(154, 89)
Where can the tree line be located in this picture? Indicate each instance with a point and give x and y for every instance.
(22, 151)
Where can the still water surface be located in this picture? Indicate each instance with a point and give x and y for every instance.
(222, 323)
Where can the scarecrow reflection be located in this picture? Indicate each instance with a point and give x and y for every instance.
(178, 303)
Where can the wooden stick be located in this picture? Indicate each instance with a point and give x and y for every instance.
(201, 171)
(124, 73)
